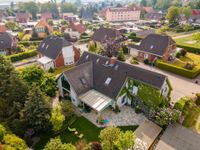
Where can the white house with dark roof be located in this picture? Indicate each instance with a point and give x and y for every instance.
(55, 52)
(99, 82)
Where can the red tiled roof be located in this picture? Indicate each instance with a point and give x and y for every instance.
(77, 26)
(2, 28)
(195, 12)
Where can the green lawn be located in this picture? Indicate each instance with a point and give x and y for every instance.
(191, 58)
(62, 69)
(191, 113)
(82, 125)
(188, 41)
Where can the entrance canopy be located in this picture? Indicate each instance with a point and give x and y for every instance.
(95, 100)
(44, 60)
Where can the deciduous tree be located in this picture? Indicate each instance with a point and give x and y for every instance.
(173, 15)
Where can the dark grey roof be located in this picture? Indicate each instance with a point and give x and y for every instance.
(102, 34)
(78, 73)
(144, 33)
(6, 40)
(154, 44)
(155, 15)
(52, 45)
(118, 73)
(177, 137)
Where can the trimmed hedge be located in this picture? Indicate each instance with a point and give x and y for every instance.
(135, 38)
(191, 49)
(177, 70)
(28, 43)
(21, 56)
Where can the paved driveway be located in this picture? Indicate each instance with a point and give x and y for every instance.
(181, 86)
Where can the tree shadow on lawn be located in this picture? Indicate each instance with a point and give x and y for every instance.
(83, 126)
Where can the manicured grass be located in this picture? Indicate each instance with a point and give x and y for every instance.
(190, 58)
(150, 96)
(187, 41)
(83, 126)
(62, 69)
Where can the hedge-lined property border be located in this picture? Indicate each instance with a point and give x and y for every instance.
(177, 70)
(21, 56)
(191, 49)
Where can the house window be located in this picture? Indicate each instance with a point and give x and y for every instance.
(108, 80)
(151, 47)
(146, 56)
(87, 57)
(83, 81)
(107, 62)
(116, 67)
(43, 45)
(97, 60)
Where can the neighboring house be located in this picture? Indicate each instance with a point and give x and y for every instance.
(7, 42)
(177, 137)
(195, 12)
(42, 29)
(2, 28)
(155, 15)
(23, 18)
(144, 33)
(148, 133)
(75, 29)
(98, 82)
(69, 17)
(195, 20)
(55, 52)
(102, 35)
(119, 14)
(45, 16)
(154, 46)
(148, 9)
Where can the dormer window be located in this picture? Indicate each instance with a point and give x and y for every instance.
(97, 60)
(87, 57)
(108, 80)
(83, 81)
(116, 67)
(43, 45)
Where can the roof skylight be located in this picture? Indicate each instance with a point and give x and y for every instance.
(87, 57)
(83, 81)
(97, 60)
(108, 80)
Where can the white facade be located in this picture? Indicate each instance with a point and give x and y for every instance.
(73, 33)
(68, 55)
(165, 90)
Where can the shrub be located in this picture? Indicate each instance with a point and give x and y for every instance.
(189, 66)
(177, 70)
(183, 52)
(134, 60)
(23, 55)
(51, 70)
(146, 61)
(121, 56)
(178, 54)
(198, 99)
(179, 105)
(191, 49)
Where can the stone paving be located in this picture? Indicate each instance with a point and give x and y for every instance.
(126, 117)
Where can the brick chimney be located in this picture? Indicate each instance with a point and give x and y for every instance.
(112, 61)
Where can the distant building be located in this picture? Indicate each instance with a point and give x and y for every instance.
(75, 29)
(1, 17)
(23, 18)
(45, 16)
(155, 15)
(7, 42)
(69, 17)
(55, 52)
(42, 29)
(118, 14)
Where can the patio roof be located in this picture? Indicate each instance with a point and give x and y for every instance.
(95, 100)
(44, 60)
(148, 132)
